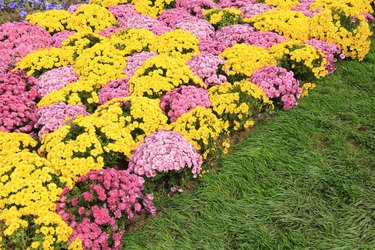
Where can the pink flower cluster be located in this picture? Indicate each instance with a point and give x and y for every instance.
(206, 66)
(211, 46)
(183, 99)
(18, 84)
(54, 116)
(18, 93)
(114, 89)
(242, 33)
(110, 31)
(98, 205)
(172, 16)
(235, 3)
(136, 60)
(279, 85)
(250, 10)
(61, 36)
(304, 7)
(19, 39)
(73, 7)
(164, 151)
(17, 113)
(330, 50)
(123, 12)
(56, 79)
(196, 26)
(146, 22)
(196, 7)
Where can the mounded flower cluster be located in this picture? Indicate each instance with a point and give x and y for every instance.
(114, 89)
(56, 115)
(206, 66)
(279, 85)
(141, 87)
(164, 151)
(19, 39)
(18, 94)
(183, 99)
(97, 206)
(56, 79)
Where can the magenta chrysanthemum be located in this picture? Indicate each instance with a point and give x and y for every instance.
(18, 84)
(19, 39)
(164, 151)
(114, 89)
(279, 85)
(61, 36)
(171, 16)
(98, 205)
(135, 61)
(123, 12)
(183, 99)
(196, 7)
(330, 51)
(17, 113)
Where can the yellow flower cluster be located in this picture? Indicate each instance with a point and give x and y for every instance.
(238, 103)
(288, 23)
(91, 18)
(74, 150)
(11, 143)
(177, 43)
(350, 32)
(53, 21)
(306, 88)
(132, 40)
(100, 63)
(81, 41)
(81, 92)
(349, 7)
(202, 128)
(283, 4)
(108, 3)
(127, 121)
(243, 59)
(161, 74)
(152, 8)
(37, 62)
(303, 59)
(223, 17)
(28, 192)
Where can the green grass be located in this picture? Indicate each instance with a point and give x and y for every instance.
(303, 180)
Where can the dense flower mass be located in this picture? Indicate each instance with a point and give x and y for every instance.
(164, 151)
(96, 95)
(183, 99)
(98, 205)
(56, 115)
(56, 79)
(114, 89)
(19, 39)
(279, 85)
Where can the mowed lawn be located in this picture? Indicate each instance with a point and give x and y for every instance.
(303, 180)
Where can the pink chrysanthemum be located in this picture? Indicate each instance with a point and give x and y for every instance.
(183, 99)
(279, 85)
(164, 151)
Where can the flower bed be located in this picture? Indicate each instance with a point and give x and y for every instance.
(103, 103)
